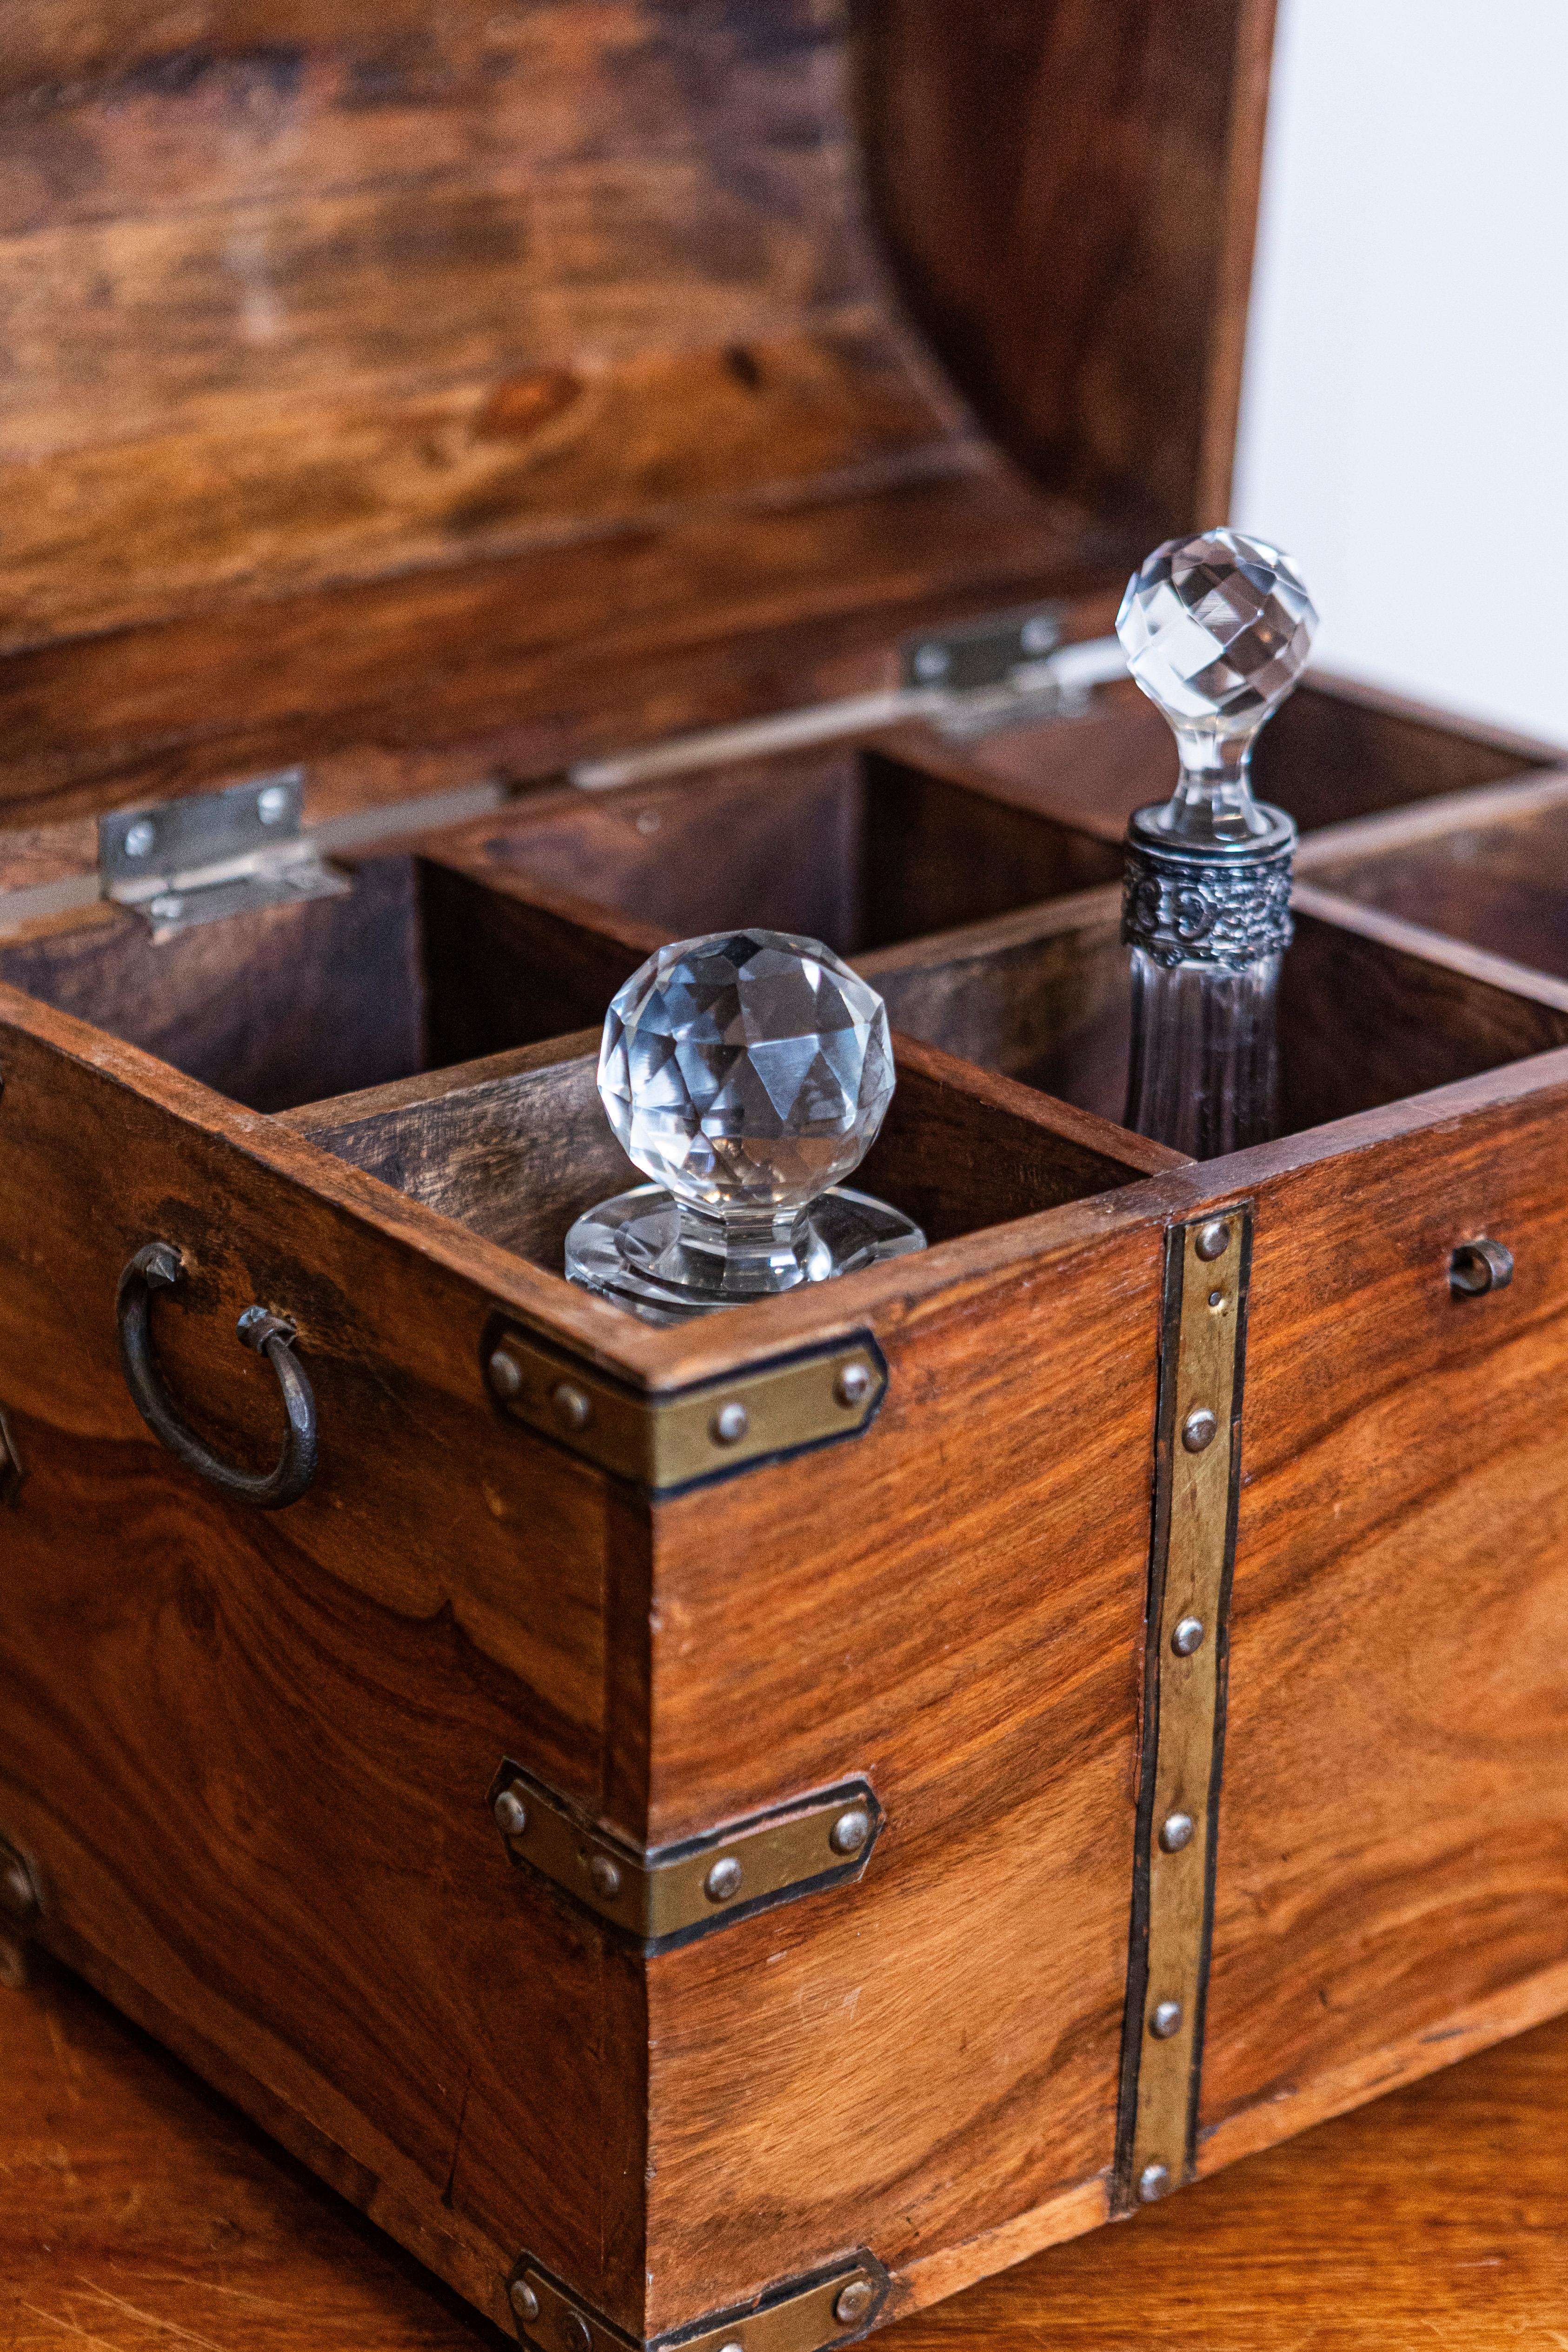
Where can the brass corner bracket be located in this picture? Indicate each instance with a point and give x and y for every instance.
(837, 2304)
(1198, 1471)
(679, 1437)
(665, 1896)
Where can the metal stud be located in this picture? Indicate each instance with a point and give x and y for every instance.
(853, 1385)
(1479, 1266)
(1199, 1429)
(605, 1875)
(1167, 2017)
(18, 1895)
(1175, 1831)
(854, 2303)
(723, 1883)
(523, 2299)
(1213, 1241)
(1153, 2183)
(573, 1409)
(730, 1425)
(1188, 1636)
(505, 1374)
(578, 2332)
(850, 1830)
(510, 1812)
(140, 837)
(272, 805)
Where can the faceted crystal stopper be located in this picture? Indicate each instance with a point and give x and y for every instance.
(748, 1073)
(1216, 630)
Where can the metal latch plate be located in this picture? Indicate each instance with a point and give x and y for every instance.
(836, 2305)
(197, 860)
(665, 1896)
(667, 1442)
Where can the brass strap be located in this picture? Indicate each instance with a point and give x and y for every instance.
(1197, 1472)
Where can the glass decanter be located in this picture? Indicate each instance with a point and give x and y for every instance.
(1216, 630)
(748, 1073)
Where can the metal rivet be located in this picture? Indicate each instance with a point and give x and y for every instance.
(1153, 2183)
(933, 661)
(854, 2303)
(853, 1385)
(734, 2344)
(1040, 635)
(850, 1830)
(1165, 2020)
(1479, 1266)
(1175, 1831)
(1212, 1240)
(578, 2333)
(573, 1409)
(272, 805)
(523, 2299)
(1216, 1298)
(510, 1812)
(18, 1891)
(140, 837)
(1188, 1636)
(1199, 1429)
(505, 1374)
(730, 1425)
(723, 1881)
(165, 908)
(605, 1877)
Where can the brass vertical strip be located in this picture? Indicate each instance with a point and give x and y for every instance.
(1197, 1473)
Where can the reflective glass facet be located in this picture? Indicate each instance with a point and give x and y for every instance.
(750, 1070)
(1216, 628)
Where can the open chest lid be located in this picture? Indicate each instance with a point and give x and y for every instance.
(422, 392)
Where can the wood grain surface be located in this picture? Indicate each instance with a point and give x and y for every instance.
(142, 2211)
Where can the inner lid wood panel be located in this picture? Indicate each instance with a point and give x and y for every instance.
(585, 312)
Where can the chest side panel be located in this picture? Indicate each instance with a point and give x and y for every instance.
(250, 1750)
(1393, 1857)
(925, 2060)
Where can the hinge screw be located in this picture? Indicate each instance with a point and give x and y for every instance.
(510, 1812)
(1212, 1240)
(853, 2303)
(1175, 1831)
(578, 2333)
(1188, 1636)
(606, 1877)
(850, 1830)
(505, 1373)
(523, 2299)
(1167, 2017)
(730, 1425)
(1153, 2183)
(723, 1883)
(1199, 1429)
(853, 1385)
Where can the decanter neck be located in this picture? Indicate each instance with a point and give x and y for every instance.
(1211, 807)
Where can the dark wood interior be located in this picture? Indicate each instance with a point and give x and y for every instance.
(1497, 879)
(517, 1147)
(1332, 753)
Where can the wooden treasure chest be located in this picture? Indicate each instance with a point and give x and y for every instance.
(725, 1833)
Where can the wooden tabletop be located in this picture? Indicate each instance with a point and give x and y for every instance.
(141, 2213)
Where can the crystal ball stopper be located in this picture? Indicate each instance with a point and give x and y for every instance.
(1216, 630)
(747, 1074)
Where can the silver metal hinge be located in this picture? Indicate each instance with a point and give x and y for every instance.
(665, 1896)
(180, 863)
(834, 2305)
(1008, 670)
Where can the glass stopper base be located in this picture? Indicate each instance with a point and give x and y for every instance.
(634, 1251)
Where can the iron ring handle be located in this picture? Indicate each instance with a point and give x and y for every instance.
(156, 1268)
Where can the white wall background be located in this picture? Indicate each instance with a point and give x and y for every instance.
(1404, 420)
